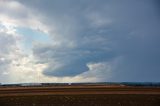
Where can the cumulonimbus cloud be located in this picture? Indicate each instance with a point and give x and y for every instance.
(89, 41)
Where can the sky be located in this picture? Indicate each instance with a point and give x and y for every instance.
(79, 41)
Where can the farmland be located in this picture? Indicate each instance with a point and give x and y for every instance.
(82, 95)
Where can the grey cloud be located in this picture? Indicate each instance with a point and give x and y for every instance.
(7, 43)
(7, 46)
(132, 33)
(72, 61)
(13, 9)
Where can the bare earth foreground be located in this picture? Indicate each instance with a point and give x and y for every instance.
(80, 96)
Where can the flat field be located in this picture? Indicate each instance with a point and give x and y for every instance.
(80, 96)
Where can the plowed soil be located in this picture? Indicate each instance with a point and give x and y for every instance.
(79, 96)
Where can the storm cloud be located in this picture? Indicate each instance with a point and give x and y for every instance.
(91, 40)
(100, 32)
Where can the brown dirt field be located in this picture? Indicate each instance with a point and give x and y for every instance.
(80, 96)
